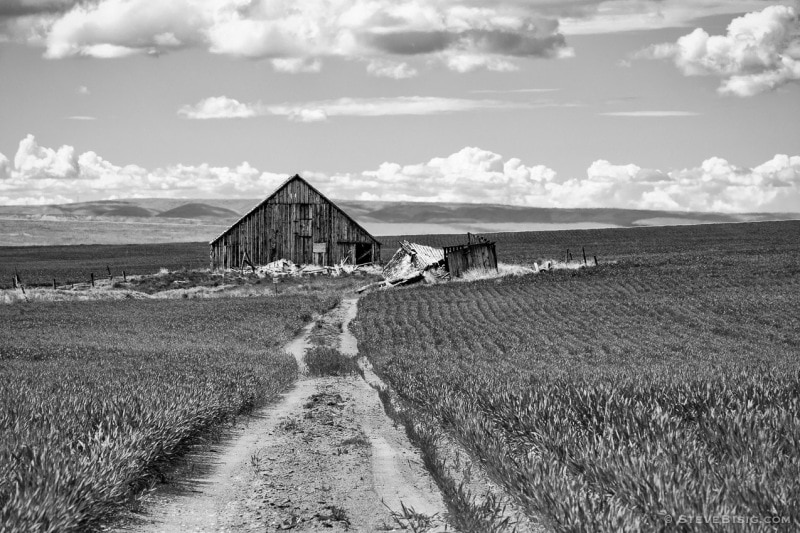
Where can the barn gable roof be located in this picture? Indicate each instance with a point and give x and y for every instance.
(276, 191)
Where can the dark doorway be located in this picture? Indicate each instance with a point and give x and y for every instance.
(363, 253)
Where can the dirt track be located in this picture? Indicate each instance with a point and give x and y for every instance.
(325, 457)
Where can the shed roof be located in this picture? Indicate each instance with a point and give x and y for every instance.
(276, 191)
(410, 258)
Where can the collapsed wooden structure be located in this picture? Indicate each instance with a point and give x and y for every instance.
(411, 260)
(414, 262)
(477, 253)
(298, 223)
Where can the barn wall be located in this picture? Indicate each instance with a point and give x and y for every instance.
(287, 226)
(459, 259)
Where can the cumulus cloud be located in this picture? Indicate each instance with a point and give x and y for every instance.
(36, 162)
(716, 186)
(471, 175)
(218, 107)
(759, 52)
(296, 35)
(41, 175)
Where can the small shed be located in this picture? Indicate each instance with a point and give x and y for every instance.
(298, 223)
(477, 253)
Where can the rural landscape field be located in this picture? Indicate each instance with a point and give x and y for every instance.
(663, 383)
(96, 396)
(659, 386)
(436, 266)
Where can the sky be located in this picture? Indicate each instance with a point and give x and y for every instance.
(686, 105)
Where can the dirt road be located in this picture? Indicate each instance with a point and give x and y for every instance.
(323, 458)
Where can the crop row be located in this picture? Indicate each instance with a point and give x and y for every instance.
(95, 395)
(616, 398)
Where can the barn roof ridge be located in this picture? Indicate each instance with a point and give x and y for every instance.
(276, 191)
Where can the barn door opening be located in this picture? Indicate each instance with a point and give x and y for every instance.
(363, 253)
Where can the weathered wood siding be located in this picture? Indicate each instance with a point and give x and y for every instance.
(459, 259)
(286, 226)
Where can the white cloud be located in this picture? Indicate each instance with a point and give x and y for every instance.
(397, 70)
(316, 111)
(402, 105)
(307, 115)
(293, 65)
(471, 175)
(219, 107)
(35, 162)
(470, 62)
(81, 117)
(295, 35)
(83, 89)
(117, 28)
(42, 175)
(716, 185)
(759, 52)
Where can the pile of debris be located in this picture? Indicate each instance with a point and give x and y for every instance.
(411, 263)
(284, 267)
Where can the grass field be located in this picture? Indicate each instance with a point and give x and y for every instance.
(94, 396)
(663, 387)
(663, 383)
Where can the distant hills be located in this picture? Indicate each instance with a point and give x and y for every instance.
(138, 208)
(198, 211)
(142, 220)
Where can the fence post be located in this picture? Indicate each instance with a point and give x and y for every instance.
(54, 283)
(110, 277)
(92, 278)
(124, 277)
(13, 282)
(584, 256)
(595, 260)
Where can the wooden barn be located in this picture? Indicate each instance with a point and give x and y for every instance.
(296, 222)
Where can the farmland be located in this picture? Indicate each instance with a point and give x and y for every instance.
(663, 383)
(40, 265)
(626, 397)
(96, 396)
